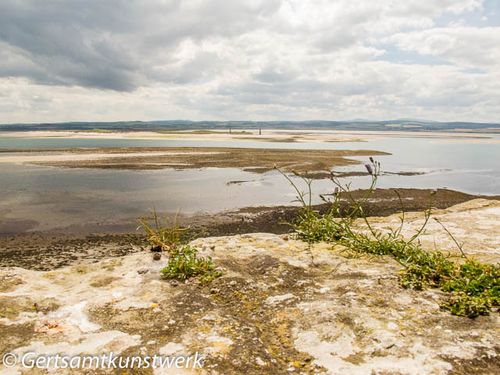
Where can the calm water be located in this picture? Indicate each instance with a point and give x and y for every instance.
(47, 198)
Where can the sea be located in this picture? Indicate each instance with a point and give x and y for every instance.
(48, 198)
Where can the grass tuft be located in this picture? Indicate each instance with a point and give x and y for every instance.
(183, 262)
(162, 234)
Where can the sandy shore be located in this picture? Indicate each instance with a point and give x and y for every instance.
(55, 157)
(268, 135)
(207, 136)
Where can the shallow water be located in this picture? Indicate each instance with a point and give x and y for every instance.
(53, 197)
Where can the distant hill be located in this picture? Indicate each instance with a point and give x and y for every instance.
(387, 125)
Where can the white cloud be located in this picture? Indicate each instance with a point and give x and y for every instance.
(468, 46)
(279, 59)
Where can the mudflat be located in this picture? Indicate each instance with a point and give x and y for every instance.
(142, 158)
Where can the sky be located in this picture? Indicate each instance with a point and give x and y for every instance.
(94, 60)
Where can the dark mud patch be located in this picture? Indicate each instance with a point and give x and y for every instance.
(324, 175)
(237, 182)
(14, 226)
(47, 251)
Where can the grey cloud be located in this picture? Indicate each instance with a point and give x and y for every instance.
(202, 67)
(67, 45)
(113, 44)
(294, 92)
(272, 75)
(284, 85)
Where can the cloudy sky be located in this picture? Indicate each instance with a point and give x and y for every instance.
(249, 60)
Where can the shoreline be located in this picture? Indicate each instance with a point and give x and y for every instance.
(51, 249)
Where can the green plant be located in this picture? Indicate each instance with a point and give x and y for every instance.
(463, 305)
(162, 234)
(473, 287)
(313, 227)
(184, 263)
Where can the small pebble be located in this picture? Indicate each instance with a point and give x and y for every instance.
(259, 361)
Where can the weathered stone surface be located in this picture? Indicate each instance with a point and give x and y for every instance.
(273, 311)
